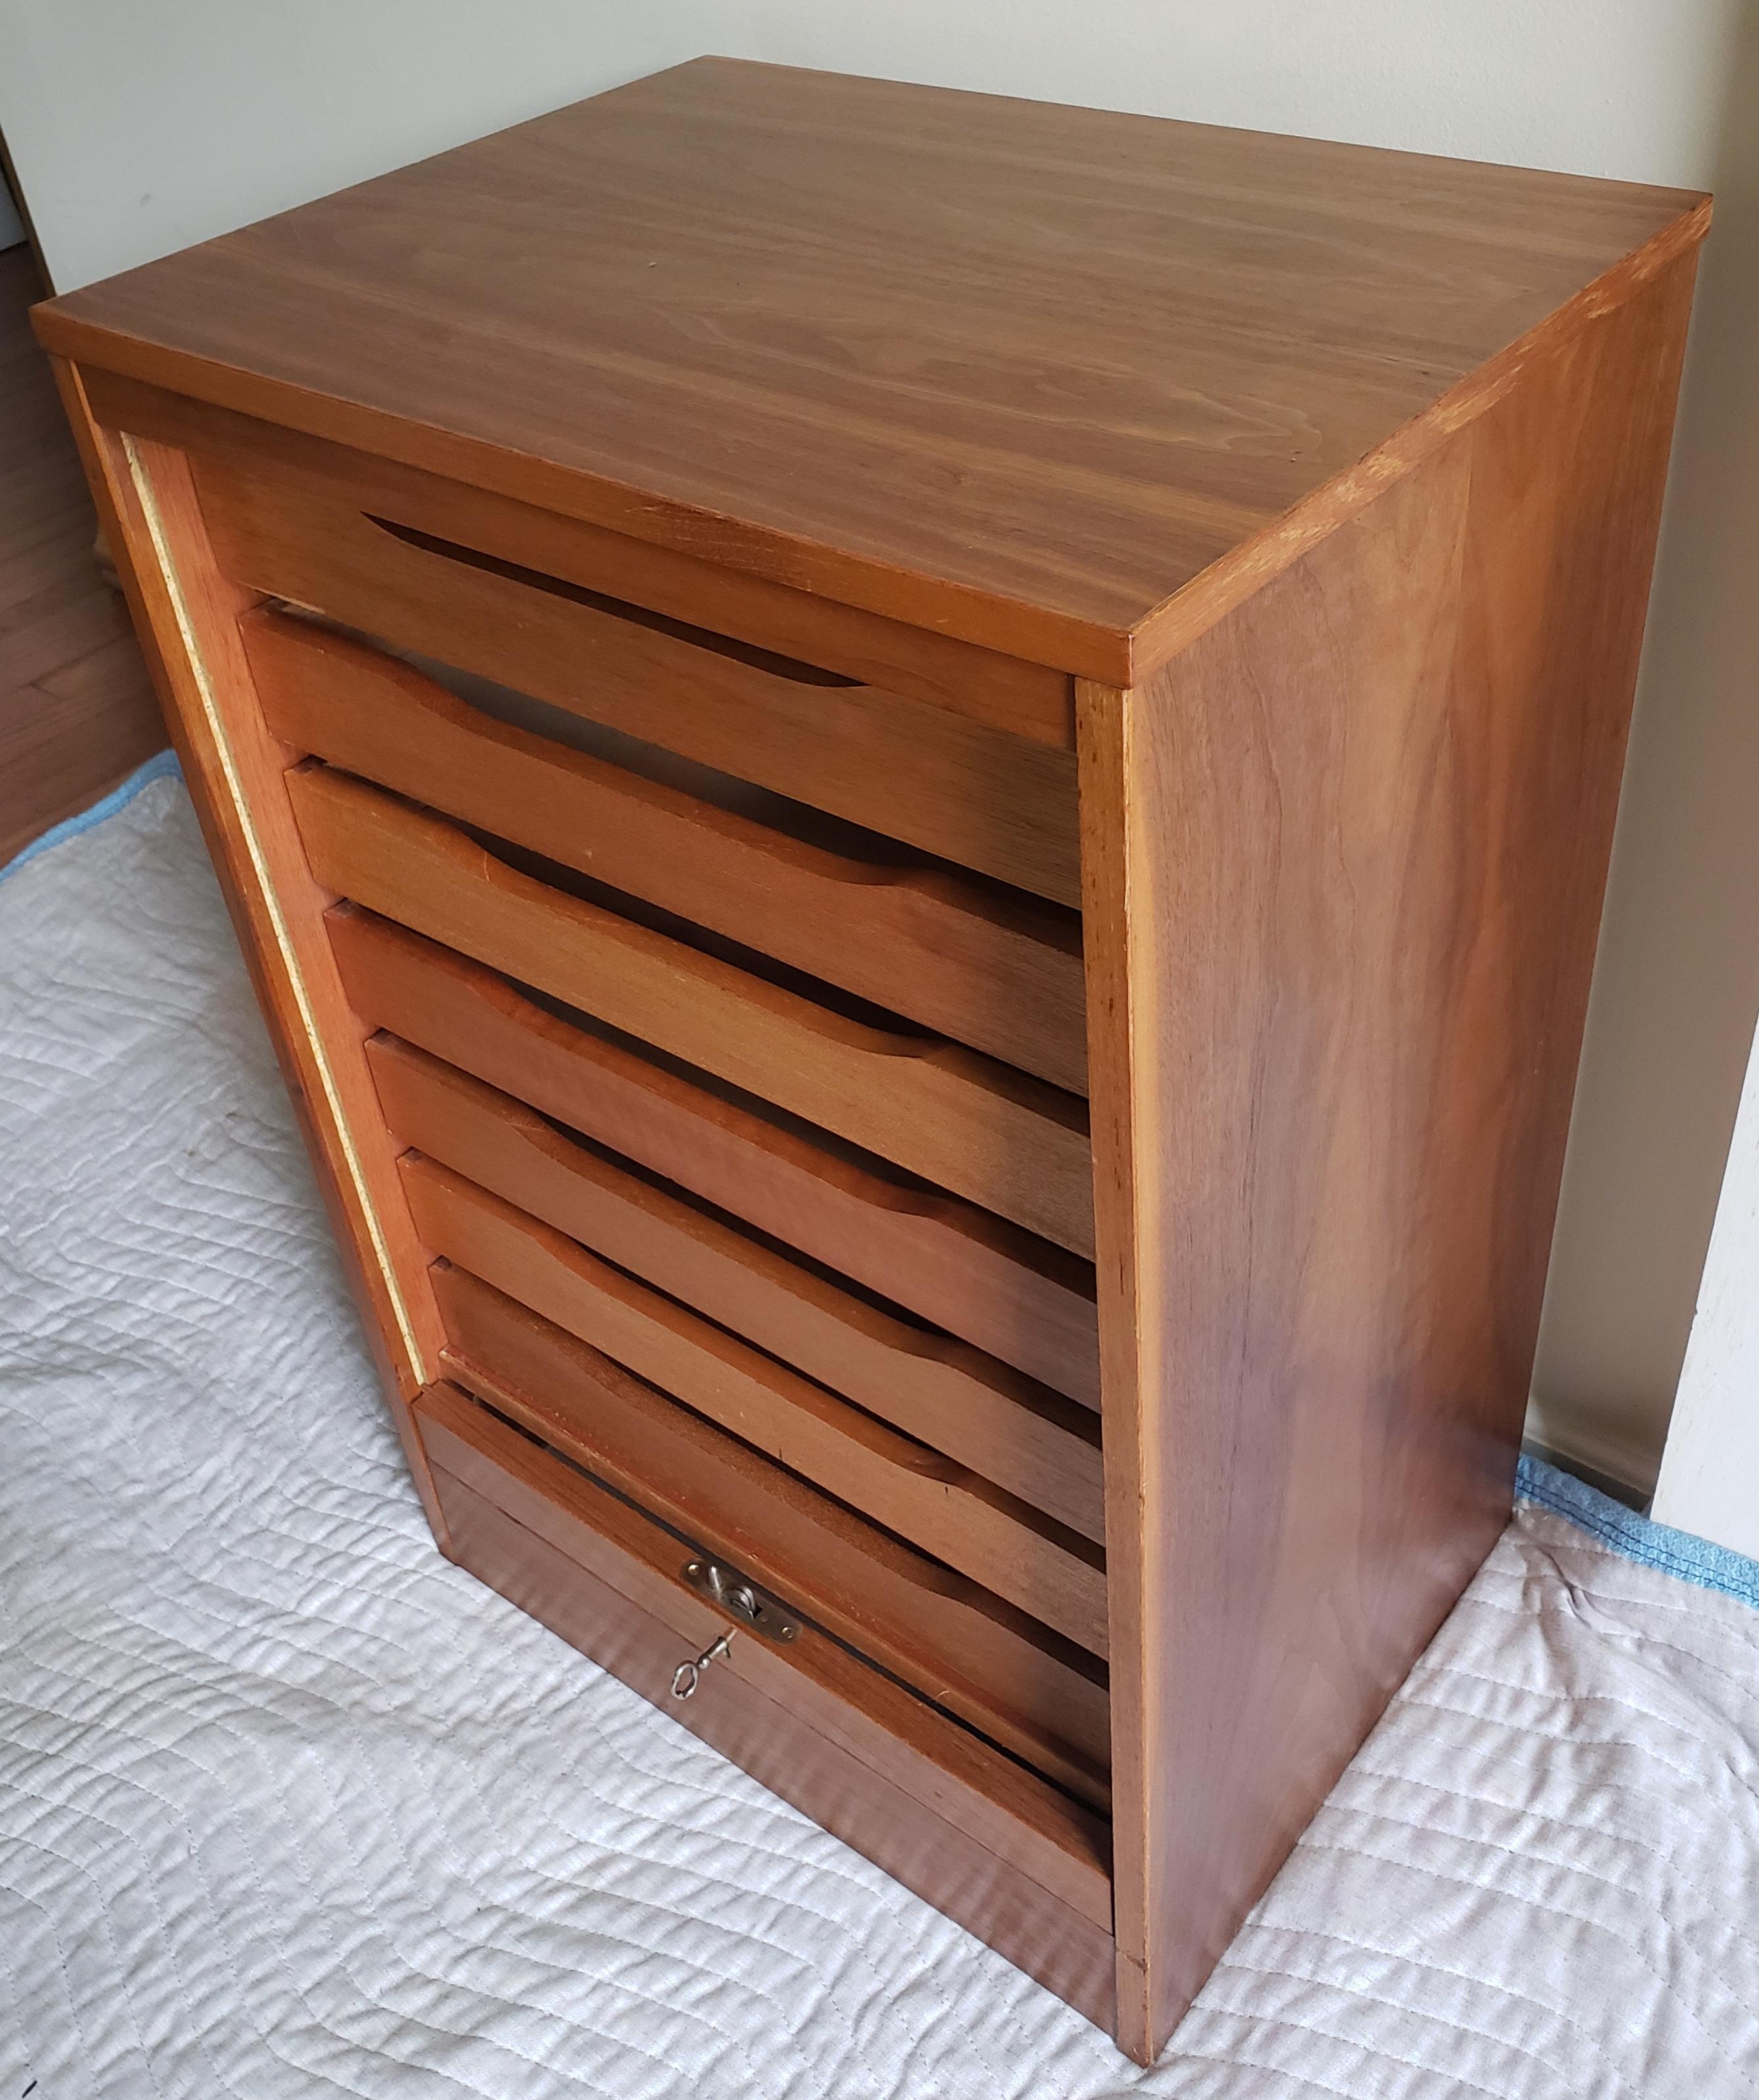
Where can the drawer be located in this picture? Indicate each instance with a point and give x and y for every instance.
(725, 1011)
(1010, 1295)
(952, 1641)
(955, 1818)
(487, 528)
(952, 785)
(1045, 1568)
(964, 1121)
(987, 967)
(1034, 1444)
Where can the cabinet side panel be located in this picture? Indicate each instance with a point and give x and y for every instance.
(1345, 861)
(187, 615)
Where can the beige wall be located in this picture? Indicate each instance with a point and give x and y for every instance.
(1677, 987)
(136, 129)
(139, 129)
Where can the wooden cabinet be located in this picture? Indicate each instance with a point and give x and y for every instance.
(919, 786)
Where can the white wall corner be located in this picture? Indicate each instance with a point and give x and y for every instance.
(1588, 1443)
(1709, 1479)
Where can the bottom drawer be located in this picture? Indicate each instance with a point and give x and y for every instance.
(1010, 1858)
(961, 1650)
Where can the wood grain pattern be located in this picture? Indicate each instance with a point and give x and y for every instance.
(917, 415)
(968, 1124)
(1046, 1570)
(939, 1634)
(971, 963)
(1038, 1446)
(1013, 1296)
(1030, 699)
(1322, 1274)
(187, 616)
(940, 782)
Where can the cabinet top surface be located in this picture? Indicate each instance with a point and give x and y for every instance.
(963, 359)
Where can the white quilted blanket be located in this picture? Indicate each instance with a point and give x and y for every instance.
(290, 1807)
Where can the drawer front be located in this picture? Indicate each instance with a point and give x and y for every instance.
(961, 1268)
(1014, 1550)
(506, 1497)
(1026, 699)
(953, 1643)
(984, 967)
(950, 786)
(728, 1015)
(874, 1793)
(967, 1122)
(1028, 1440)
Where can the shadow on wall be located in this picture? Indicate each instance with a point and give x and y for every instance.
(11, 224)
(1677, 987)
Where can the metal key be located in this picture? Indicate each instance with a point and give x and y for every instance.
(688, 1675)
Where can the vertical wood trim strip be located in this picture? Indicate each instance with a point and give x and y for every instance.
(186, 614)
(420, 1370)
(1131, 1329)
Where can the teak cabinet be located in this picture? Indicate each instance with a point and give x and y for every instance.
(919, 786)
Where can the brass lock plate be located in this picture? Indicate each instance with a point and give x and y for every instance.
(742, 1601)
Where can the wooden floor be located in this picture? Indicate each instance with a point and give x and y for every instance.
(76, 710)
